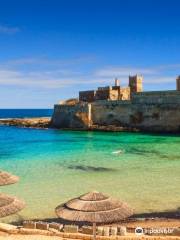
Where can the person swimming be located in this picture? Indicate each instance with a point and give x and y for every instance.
(118, 152)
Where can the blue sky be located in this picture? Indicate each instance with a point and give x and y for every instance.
(49, 50)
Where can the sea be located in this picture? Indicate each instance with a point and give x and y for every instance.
(55, 166)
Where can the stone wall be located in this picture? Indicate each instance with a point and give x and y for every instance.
(178, 83)
(149, 116)
(111, 113)
(135, 83)
(87, 96)
(156, 97)
(125, 93)
(67, 116)
(156, 117)
(148, 111)
(105, 93)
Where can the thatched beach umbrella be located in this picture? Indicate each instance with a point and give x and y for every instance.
(95, 208)
(9, 205)
(6, 178)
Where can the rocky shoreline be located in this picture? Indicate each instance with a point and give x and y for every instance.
(112, 128)
(42, 122)
(45, 122)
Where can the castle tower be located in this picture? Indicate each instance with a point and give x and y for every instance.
(117, 83)
(178, 83)
(135, 83)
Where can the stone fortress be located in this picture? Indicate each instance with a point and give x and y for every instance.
(123, 108)
(113, 93)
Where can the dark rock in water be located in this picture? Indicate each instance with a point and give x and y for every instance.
(149, 152)
(90, 168)
(139, 151)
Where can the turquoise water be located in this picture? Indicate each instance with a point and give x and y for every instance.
(55, 165)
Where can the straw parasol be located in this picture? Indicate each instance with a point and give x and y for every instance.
(93, 207)
(9, 205)
(6, 178)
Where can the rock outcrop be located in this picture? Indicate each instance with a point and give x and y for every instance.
(43, 122)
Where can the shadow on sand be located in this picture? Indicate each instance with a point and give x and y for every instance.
(166, 214)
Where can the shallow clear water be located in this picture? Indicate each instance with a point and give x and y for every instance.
(55, 165)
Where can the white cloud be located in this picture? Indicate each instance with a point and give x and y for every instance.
(160, 79)
(168, 67)
(155, 75)
(8, 30)
(45, 61)
(43, 80)
(123, 71)
(64, 76)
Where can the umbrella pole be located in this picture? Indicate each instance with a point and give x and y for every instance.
(94, 231)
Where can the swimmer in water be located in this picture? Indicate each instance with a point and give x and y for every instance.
(118, 152)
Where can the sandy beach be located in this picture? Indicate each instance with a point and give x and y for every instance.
(37, 237)
(31, 234)
(40, 237)
(28, 237)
